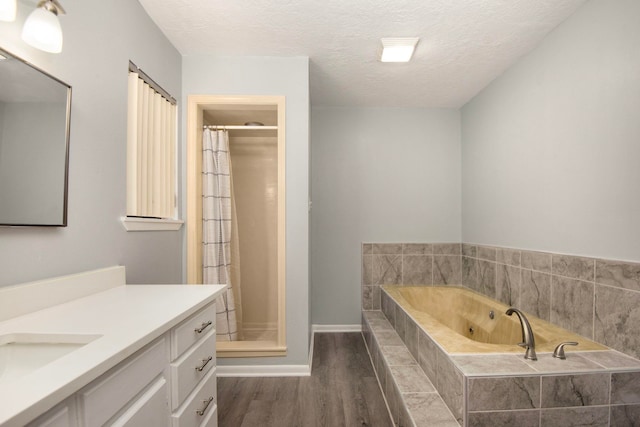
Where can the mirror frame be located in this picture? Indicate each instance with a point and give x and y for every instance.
(65, 202)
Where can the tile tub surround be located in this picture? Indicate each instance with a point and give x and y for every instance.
(506, 389)
(409, 264)
(412, 398)
(596, 298)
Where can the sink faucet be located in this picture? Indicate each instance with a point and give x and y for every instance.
(528, 341)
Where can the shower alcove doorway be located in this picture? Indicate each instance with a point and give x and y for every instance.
(257, 154)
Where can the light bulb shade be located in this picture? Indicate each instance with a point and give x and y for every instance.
(398, 49)
(42, 30)
(8, 10)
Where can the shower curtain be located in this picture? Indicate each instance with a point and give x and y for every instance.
(221, 261)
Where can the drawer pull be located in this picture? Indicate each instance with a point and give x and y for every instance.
(204, 363)
(202, 327)
(206, 405)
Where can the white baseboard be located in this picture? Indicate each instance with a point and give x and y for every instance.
(313, 339)
(263, 371)
(337, 328)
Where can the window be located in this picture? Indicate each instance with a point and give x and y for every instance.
(151, 150)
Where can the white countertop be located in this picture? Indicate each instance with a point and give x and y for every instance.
(127, 317)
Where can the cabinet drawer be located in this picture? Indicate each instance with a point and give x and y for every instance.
(191, 367)
(202, 401)
(103, 400)
(151, 409)
(191, 330)
(211, 420)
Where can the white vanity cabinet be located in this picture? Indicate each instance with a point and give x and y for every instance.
(193, 371)
(134, 393)
(136, 383)
(63, 415)
(143, 355)
(170, 382)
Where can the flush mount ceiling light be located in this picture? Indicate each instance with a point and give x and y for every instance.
(398, 49)
(42, 28)
(8, 10)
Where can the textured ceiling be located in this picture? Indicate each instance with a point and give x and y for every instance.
(464, 44)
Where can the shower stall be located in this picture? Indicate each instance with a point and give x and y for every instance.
(252, 129)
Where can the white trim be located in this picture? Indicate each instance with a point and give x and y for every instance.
(259, 325)
(337, 328)
(313, 339)
(269, 370)
(263, 371)
(196, 105)
(151, 224)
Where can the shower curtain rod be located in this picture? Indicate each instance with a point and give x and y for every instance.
(240, 127)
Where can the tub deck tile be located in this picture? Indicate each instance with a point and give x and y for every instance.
(380, 325)
(397, 355)
(428, 410)
(611, 359)
(491, 365)
(388, 338)
(373, 315)
(399, 375)
(411, 379)
(546, 363)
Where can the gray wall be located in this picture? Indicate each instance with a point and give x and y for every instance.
(99, 40)
(208, 75)
(550, 149)
(378, 175)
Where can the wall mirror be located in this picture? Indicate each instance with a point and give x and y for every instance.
(34, 145)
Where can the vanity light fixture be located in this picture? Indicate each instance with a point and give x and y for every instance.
(8, 10)
(42, 28)
(398, 49)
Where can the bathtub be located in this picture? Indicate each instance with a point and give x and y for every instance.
(473, 362)
(463, 322)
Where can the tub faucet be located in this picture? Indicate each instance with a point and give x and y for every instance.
(528, 341)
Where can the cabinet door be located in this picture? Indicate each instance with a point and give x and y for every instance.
(151, 409)
(107, 396)
(197, 409)
(63, 415)
(212, 419)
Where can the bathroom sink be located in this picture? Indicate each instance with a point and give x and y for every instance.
(21, 354)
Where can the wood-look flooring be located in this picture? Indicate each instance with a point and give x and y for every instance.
(341, 391)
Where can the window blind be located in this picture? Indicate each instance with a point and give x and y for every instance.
(151, 151)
